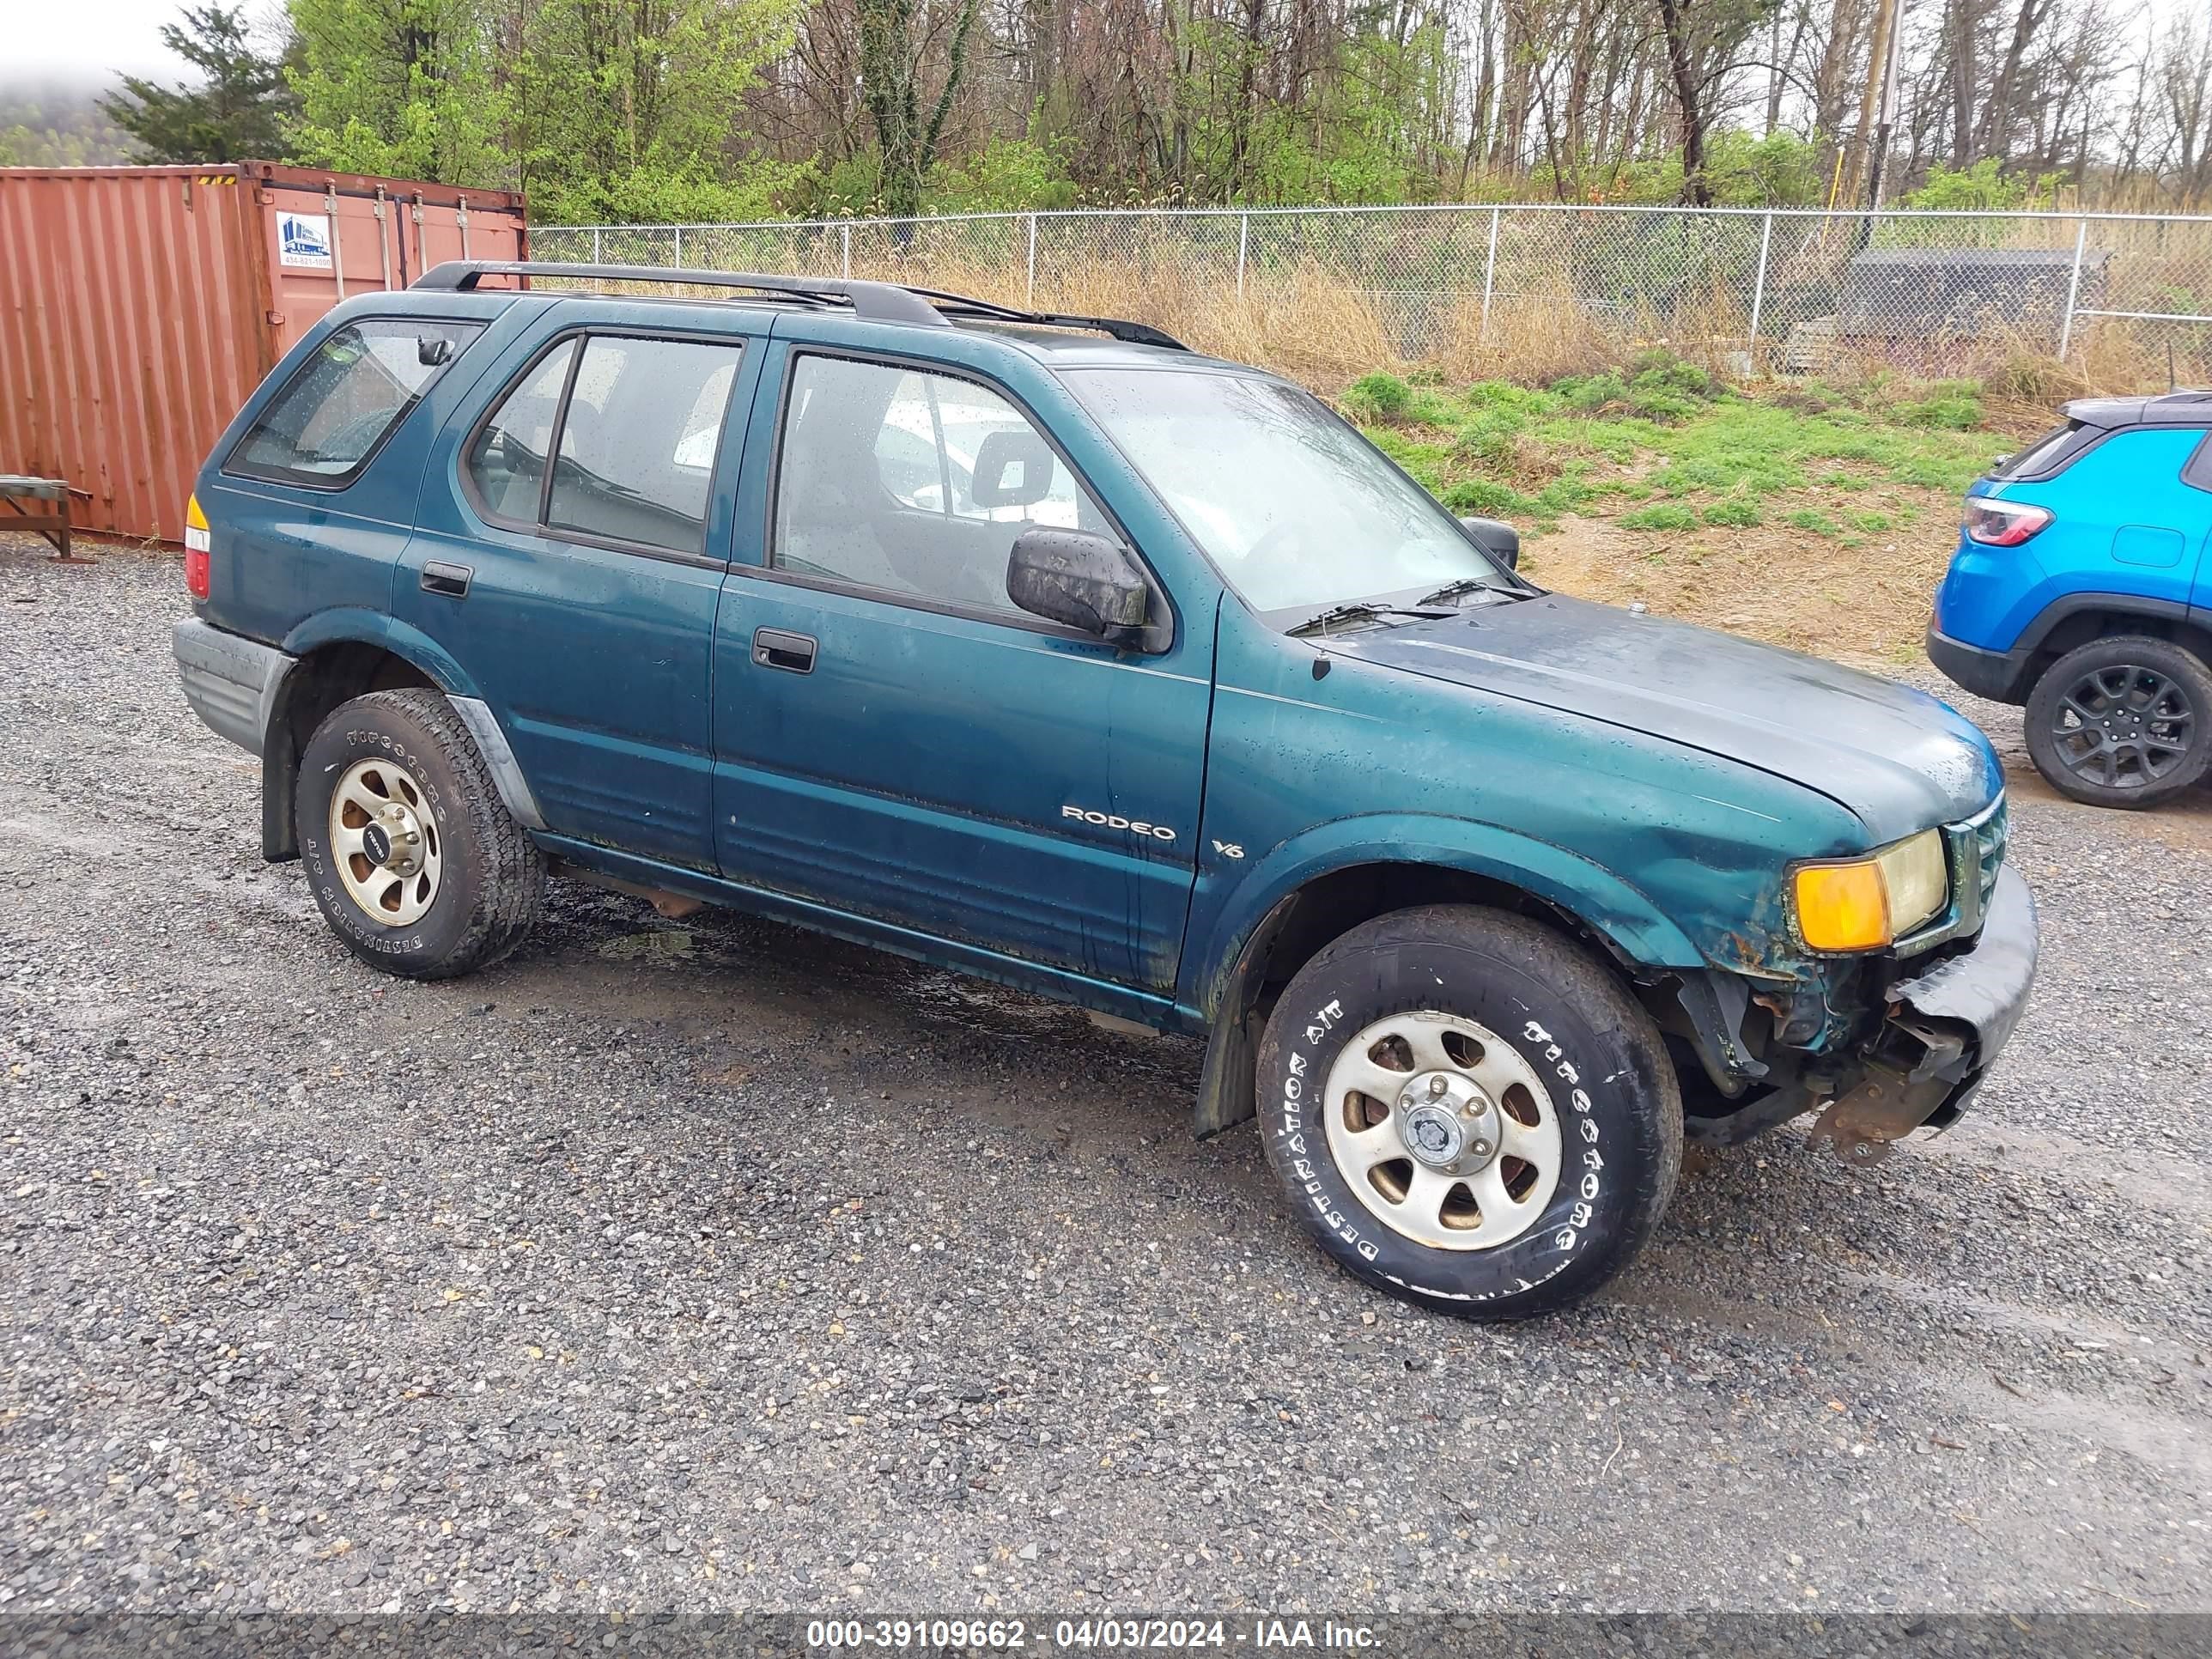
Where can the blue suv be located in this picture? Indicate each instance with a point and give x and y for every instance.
(1041, 648)
(2082, 588)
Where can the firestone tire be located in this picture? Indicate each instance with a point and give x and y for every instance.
(396, 767)
(2125, 721)
(1526, 1030)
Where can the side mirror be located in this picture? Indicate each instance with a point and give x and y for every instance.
(1501, 541)
(432, 349)
(1079, 578)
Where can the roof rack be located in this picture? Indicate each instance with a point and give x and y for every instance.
(877, 302)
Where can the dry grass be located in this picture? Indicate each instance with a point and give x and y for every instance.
(1533, 340)
(1862, 603)
(1308, 322)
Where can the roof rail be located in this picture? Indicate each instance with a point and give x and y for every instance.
(960, 305)
(879, 302)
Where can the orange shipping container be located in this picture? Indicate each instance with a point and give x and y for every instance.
(139, 306)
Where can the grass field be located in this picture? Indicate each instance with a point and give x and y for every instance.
(1806, 516)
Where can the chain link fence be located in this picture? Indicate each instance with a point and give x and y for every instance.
(1786, 290)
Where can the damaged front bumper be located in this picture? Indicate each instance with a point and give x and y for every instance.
(1944, 1029)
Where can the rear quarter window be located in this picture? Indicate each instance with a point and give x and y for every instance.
(2046, 455)
(327, 421)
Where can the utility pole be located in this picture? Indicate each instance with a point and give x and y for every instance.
(1885, 118)
(1875, 105)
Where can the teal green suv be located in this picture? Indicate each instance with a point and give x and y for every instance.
(1039, 647)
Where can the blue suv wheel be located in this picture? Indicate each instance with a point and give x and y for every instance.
(2122, 722)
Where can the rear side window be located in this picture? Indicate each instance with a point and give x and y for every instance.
(329, 420)
(2043, 457)
(632, 425)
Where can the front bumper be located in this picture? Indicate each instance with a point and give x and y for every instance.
(230, 681)
(1945, 1030)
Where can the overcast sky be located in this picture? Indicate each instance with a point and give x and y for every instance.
(95, 36)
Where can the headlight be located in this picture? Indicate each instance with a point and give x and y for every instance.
(1865, 904)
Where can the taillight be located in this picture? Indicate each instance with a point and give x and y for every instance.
(2003, 524)
(196, 543)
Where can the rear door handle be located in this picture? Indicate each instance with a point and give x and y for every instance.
(451, 580)
(793, 652)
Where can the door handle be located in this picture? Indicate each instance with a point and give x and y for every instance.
(793, 652)
(451, 580)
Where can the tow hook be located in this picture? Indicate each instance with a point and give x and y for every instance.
(1894, 1100)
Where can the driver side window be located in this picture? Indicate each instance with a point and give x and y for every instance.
(913, 484)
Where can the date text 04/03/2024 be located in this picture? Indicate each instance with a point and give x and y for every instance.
(1005, 1635)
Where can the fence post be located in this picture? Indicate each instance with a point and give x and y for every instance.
(679, 247)
(845, 251)
(1759, 289)
(1243, 241)
(1489, 274)
(1031, 301)
(2073, 287)
(598, 258)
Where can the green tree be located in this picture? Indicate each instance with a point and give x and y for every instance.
(893, 38)
(629, 109)
(1984, 186)
(237, 110)
(401, 86)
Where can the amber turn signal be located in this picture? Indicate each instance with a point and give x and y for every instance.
(1842, 906)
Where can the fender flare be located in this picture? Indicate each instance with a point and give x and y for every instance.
(1631, 926)
(355, 625)
(2048, 619)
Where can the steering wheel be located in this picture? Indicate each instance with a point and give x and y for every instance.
(1273, 541)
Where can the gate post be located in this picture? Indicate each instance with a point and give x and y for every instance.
(1758, 288)
(2073, 288)
(1489, 275)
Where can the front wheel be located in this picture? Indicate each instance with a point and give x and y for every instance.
(2122, 722)
(1468, 1112)
(415, 861)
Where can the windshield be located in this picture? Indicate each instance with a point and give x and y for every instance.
(1297, 511)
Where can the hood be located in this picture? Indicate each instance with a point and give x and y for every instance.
(1896, 758)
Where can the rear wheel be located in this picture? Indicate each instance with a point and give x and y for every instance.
(415, 861)
(1468, 1112)
(2122, 722)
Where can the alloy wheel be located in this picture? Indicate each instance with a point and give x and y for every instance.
(2125, 726)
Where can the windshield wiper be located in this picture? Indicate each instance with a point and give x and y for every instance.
(1363, 610)
(1460, 589)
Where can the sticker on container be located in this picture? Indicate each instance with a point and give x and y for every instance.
(303, 239)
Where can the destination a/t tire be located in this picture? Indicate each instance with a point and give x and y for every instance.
(1468, 1111)
(413, 858)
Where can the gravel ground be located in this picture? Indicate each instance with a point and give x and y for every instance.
(714, 1266)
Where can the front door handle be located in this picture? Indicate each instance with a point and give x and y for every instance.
(793, 652)
(451, 580)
